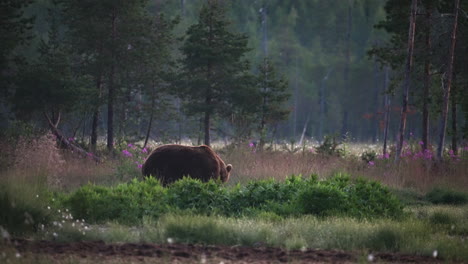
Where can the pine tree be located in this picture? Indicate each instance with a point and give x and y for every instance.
(213, 68)
(273, 95)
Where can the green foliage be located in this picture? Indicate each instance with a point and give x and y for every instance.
(330, 147)
(215, 78)
(322, 200)
(368, 156)
(446, 196)
(339, 195)
(343, 196)
(126, 203)
(192, 194)
(273, 95)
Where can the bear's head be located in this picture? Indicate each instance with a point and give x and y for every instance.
(225, 173)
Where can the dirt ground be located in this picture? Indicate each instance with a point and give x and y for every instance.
(188, 253)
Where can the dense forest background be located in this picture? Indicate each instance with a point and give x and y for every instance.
(291, 70)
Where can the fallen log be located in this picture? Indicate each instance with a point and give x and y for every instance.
(68, 143)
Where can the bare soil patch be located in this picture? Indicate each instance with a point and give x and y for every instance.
(190, 253)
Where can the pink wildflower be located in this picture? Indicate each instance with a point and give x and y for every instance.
(371, 163)
(251, 144)
(126, 153)
(421, 143)
(144, 150)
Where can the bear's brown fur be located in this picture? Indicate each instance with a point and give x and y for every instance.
(170, 163)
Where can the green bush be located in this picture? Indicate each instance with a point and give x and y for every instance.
(203, 198)
(339, 195)
(368, 156)
(322, 200)
(330, 147)
(446, 196)
(126, 203)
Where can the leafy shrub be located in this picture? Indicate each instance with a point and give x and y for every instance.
(322, 200)
(330, 147)
(370, 198)
(368, 156)
(268, 195)
(339, 195)
(446, 196)
(357, 198)
(193, 194)
(126, 203)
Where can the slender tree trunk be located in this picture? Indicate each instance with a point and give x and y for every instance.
(374, 126)
(95, 120)
(264, 32)
(448, 82)
(345, 128)
(304, 129)
(182, 8)
(454, 120)
(406, 83)
(110, 99)
(148, 131)
(322, 105)
(387, 110)
(427, 79)
(200, 131)
(206, 122)
(296, 101)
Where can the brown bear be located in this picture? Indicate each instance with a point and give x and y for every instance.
(170, 163)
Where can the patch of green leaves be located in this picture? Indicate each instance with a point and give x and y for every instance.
(339, 195)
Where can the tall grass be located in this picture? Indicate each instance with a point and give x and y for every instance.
(418, 174)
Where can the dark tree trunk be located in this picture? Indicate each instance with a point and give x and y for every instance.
(206, 122)
(110, 99)
(448, 82)
(345, 128)
(182, 8)
(150, 123)
(200, 130)
(387, 110)
(427, 80)
(95, 121)
(454, 120)
(322, 103)
(264, 32)
(374, 126)
(406, 83)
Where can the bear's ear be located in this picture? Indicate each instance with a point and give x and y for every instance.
(229, 167)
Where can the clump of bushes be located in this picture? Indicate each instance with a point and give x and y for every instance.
(126, 203)
(339, 195)
(446, 196)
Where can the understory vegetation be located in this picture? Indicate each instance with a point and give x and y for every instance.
(348, 204)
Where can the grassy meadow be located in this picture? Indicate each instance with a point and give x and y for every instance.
(291, 197)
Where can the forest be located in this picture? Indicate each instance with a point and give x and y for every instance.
(291, 70)
(338, 130)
